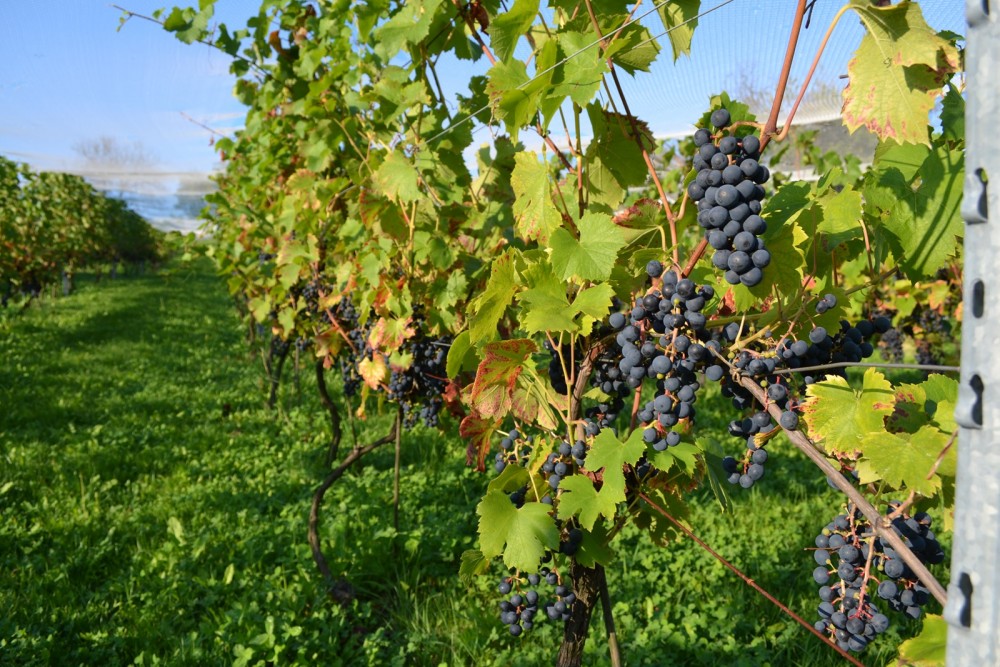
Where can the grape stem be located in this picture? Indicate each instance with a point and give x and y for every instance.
(493, 61)
(750, 582)
(333, 476)
(609, 619)
(129, 14)
(398, 441)
(805, 84)
(779, 95)
(883, 527)
(671, 219)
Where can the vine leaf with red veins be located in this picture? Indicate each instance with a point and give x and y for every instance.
(497, 374)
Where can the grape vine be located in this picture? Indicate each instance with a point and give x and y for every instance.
(537, 294)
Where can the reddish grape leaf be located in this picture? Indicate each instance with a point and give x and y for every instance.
(478, 431)
(502, 363)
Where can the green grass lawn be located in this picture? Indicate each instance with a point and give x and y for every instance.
(153, 512)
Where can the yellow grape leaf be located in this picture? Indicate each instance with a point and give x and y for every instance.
(897, 73)
(842, 417)
(374, 371)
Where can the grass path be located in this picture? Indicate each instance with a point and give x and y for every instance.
(152, 512)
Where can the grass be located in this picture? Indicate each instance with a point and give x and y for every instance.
(153, 512)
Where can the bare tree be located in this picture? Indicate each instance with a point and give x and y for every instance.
(109, 154)
(118, 167)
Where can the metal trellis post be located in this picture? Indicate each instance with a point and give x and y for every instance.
(973, 609)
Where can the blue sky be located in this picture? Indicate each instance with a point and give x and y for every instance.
(69, 75)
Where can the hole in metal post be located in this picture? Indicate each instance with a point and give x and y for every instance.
(977, 408)
(965, 586)
(984, 180)
(978, 296)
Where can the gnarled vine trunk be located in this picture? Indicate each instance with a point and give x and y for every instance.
(585, 585)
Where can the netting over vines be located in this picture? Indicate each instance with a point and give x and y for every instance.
(564, 301)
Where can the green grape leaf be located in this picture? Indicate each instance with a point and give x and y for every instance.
(593, 304)
(713, 453)
(903, 461)
(903, 158)
(919, 213)
(580, 77)
(594, 255)
(578, 497)
(457, 353)
(683, 456)
(610, 454)
(841, 217)
(633, 49)
(409, 25)
(680, 20)
(521, 535)
(534, 211)
(953, 116)
(189, 24)
(897, 73)
(488, 308)
(841, 417)
(473, 564)
(927, 649)
(512, 478)
(398, 179)
(594, 548)
(514, 95)
(507, 28)
(544, 305)
(941, 393)
(577, 493)
(614, 144)
(604, 192)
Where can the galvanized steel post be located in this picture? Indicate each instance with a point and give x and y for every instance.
(973, 608)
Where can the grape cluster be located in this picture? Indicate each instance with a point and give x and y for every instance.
(556, 374)
(514, 450)
(310, 296)
(826, 303)
(662, 340)
(279, 346)
(728, 191)
(519, 611)
(419, 388)
(561, 464)
(751, 468)
(849, 555)
(850, 343)
(347, 317)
